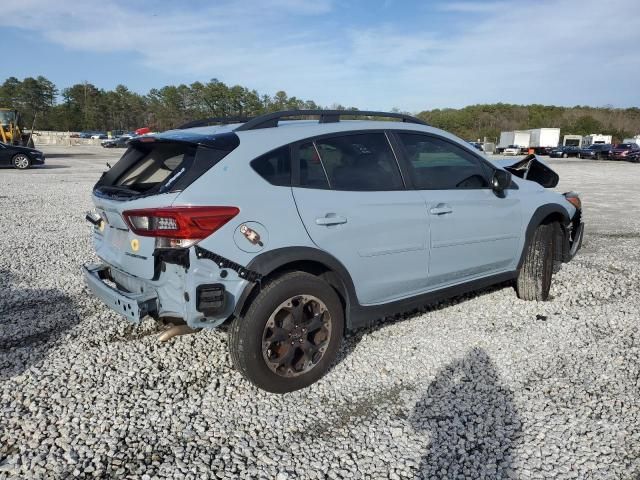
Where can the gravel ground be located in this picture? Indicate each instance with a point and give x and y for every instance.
(483, 386)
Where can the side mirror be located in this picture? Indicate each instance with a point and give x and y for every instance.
(501, 180)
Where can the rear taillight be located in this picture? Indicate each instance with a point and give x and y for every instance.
(178, 226)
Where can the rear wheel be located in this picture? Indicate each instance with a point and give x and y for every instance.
(534, 278)
(21, 161)
(290, 335)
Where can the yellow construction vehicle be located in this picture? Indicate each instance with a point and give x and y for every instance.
(11, 129)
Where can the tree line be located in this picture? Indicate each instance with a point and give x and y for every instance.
(84, 106)
(479, 121)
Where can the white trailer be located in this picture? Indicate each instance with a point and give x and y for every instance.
(542, 140)
(596, 138)
(572, 141)
(516, 137)
(635, 140)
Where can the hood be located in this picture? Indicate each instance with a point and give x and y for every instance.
(531, 168)
(20, 148)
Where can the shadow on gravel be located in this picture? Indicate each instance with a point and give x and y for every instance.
(352, 339)
(32, 321)
(48, 167)
(472, 420)
(70, 154)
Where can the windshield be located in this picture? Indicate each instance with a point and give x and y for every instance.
(7, 116)
(625, 145)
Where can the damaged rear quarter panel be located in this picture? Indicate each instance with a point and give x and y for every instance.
(258, 201)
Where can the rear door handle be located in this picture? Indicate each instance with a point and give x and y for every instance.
(441, 209)
(331, 219)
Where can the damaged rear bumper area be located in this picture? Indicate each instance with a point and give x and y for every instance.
(193, 285)
(132, 306)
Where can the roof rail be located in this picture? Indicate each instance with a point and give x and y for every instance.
(205, 122)
(269, 120)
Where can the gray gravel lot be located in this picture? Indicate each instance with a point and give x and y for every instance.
(483, 386)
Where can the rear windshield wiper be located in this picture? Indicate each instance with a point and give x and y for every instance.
(118, 189)
(117, 192)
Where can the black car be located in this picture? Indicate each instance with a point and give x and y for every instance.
(19, 157)
(597, 151)
(626, 151)
(565, 151)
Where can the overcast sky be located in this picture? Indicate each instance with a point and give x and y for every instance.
(370, 54)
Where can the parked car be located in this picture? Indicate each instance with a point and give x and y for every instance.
(120, 142)
(19, 157)
(597, 151)
(99, 136)
(626, 151)
(336, 224)
(512, 150)
(477, 145)
(565, 151)
(85, 134)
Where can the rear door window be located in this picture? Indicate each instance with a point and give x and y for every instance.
(360, 162)
(312, 172)
(437, 164)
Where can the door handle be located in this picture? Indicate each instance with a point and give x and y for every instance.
(441, 209)
(331, 219)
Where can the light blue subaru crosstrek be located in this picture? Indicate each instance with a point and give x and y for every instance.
(295, 231)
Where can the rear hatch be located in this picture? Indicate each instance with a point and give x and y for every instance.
(151, 174)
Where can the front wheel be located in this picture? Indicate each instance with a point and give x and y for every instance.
(21, 161)
(290, 335)
(534, 277)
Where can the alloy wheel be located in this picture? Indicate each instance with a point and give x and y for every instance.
(21, 161)
(296, 335)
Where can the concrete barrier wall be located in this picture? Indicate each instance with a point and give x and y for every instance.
(62, 138)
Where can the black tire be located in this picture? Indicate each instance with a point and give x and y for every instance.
(21, 161)
(534, 277)
(247, 344)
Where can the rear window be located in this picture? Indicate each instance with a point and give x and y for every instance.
(149, 168)
(152, 166)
